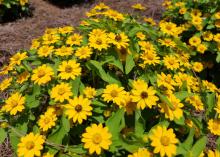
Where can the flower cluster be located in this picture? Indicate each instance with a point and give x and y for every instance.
(200, 23)
(15, 5)
(114, 86)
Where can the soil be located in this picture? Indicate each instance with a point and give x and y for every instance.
(19, 34)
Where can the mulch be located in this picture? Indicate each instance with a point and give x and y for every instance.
(18, 34)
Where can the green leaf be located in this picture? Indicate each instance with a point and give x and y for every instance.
(130, 64)
(75, 86)
(218, 143)
(139, 123)
(115, 124)
(164, 99)
(218, 57)
(3, 135)
(58, 136)
(182, 95)
(187, 144)
(14, 140)
(210, 102)
(198, 147)
(32, 101)
(180, 121)
(101, 72)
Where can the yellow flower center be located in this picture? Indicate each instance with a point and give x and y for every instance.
(14, 103)
(114, 93)
(30, 145)
(123, 51)
(118, 37)
(98, 41)
(150, 57)
(17, 58)
(144, 95)
(47, 120)
(68, 69)
(78, 108)
(61, 91)
(41, 73)
(171, 61)
(97, 138)
(168, 27)
(215, 126)
(165, 140)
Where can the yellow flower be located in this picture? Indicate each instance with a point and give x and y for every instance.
(65, 30)
(217, 37)
(47, 121)
(171, 62)
(196, 102)
(35, 44)
(98, 39)
(129, 105)
(144, 96)
(23, 77)
(196, 20)
(47, 155)
(196, 13)
(140, 36)
(147, 46)
(150, 58)
(142, 152)
(5, 84)
(96, 138)
(89, 92)
(23, 2)
(207, 36)
(150, 21)
(217, 15)
(194, 41)
(42, 74)
(114, 15)
(17, 58)
(5, 69)
(167, 42)
(101, 6)
(30, 145)
(201, 48)
(138, 6)
(83, 52)
(170, 28)
(217, 108)
(15, 103)
(45, 51)
(174, 112)
(50, 39)
(214, 126)
(217, 23)
(123, 53)
(209, 86)
(78, 109)
(64, 51)
(61, 92)
(166, 81)
(69, 70)
(164, 141)
(115, 94)
(182, 10)
(197, 66)
(119, 40)
(214, 153)
(74, 39)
